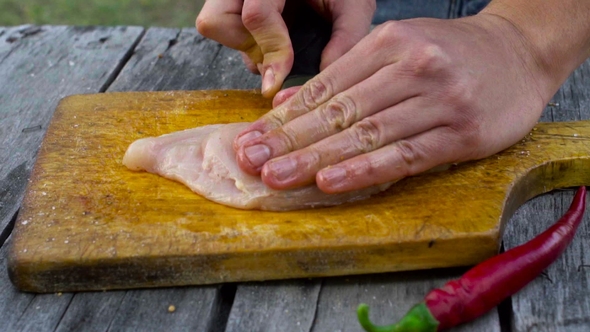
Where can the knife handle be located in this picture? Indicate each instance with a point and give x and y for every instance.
(309, 33)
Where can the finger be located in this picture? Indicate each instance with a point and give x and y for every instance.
(330, 118)
(278, 99)
(347, 29)
(221, 20)
(386, 88)
(263, 20)
(343, 74)
(283, 95)
(372, 133)
(405, 157)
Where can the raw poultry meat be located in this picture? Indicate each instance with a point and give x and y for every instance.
(203, 159)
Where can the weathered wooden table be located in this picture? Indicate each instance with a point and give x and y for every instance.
(41, 65)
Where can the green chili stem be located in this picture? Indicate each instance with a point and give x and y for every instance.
(418, 319)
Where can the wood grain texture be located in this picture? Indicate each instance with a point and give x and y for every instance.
(38, 67)
(560, 299)
(86, 216)
(275, 306)
(92, 311)
(143, 310)
(172, 59)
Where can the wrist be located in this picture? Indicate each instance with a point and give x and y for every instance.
(552, 41)
(546, 74)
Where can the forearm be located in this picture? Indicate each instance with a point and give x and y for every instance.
(557, 32)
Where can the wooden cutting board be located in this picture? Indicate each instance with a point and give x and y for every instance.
(88, 223)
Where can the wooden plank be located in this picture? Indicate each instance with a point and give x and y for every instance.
(559, 300)
(175, 309)
(154, 66)
(40, 66)
(275, 306)
(171, 59)
(90, 311)
(195, 309)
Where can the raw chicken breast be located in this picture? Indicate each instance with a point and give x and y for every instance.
(203, 159)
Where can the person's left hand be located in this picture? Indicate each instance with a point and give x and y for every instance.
(257, 29)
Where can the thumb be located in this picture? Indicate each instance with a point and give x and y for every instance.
(263, 20)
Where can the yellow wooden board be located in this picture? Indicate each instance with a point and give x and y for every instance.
(89, 223)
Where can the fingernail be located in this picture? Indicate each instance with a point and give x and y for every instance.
(268, 80)
(282, 169)
(257, 154)
(333, 175)
(248, 136)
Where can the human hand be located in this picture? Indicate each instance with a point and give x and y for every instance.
(410, 96)
(257, 29)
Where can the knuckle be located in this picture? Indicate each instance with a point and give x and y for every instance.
(339, 113)
(464, 133)
(287, 139)
(312, 159)
(370, 168)
(409, 154)
(253, 14)
(460, 94)
(428, 60)
(366, 135)
(276, 119)
(469, 133)
(388, 33)
(314, 93)
(206, 25)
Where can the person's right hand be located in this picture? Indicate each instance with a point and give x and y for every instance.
(257, 29)
(411, 96)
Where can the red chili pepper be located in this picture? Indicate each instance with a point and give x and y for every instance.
(488, 283)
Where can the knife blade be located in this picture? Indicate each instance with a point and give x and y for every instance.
(309, 33)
